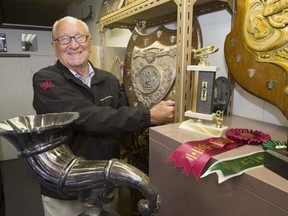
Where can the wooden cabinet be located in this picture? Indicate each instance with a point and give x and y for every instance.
(156, 12)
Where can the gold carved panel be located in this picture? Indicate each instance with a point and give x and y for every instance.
(256, 50)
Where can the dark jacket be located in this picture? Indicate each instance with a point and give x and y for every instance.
(104, 113)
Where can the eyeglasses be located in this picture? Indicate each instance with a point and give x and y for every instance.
(63, 40)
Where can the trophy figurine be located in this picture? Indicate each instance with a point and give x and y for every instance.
(203, 53)
(201, 115)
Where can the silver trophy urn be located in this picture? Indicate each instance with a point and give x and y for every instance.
(41, 142)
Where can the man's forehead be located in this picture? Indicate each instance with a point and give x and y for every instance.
(71, 28)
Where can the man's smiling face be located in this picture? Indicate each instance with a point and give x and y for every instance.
(73, 55)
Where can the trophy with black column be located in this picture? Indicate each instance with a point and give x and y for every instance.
(201, 116)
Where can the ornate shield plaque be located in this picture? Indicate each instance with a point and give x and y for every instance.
(256, 50)
(150, 67)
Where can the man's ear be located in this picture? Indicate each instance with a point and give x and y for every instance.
(54, 45)
(90, 44)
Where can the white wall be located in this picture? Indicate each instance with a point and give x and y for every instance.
(215, 27)
(16, 79)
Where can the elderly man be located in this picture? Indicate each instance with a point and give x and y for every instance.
(73, 84)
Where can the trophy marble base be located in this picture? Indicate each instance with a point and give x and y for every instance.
(276, 160)
(203, 128)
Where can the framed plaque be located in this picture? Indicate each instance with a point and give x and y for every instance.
(150, 67)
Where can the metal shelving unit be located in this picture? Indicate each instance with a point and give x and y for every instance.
(156, 12)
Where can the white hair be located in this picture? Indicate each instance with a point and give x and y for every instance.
(64, 19)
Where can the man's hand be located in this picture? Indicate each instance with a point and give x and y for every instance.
(162, 113)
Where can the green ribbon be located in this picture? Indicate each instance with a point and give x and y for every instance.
(274, 144)
(228, 168)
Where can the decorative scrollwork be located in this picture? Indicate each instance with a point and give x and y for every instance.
(150, 67)
(266, 30)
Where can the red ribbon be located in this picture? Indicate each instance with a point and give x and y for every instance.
(194, 155)
(203, 160)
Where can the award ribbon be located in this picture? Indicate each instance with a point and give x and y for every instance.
(228, 168)
(194, 155)
(203, 159)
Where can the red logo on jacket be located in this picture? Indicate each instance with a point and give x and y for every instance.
(45, 85)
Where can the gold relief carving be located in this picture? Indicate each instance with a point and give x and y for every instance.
(259, 41)
(264, 30)
(283, 53)
(265, 56)
(276, 12)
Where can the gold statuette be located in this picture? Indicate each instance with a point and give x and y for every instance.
(203, 53)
